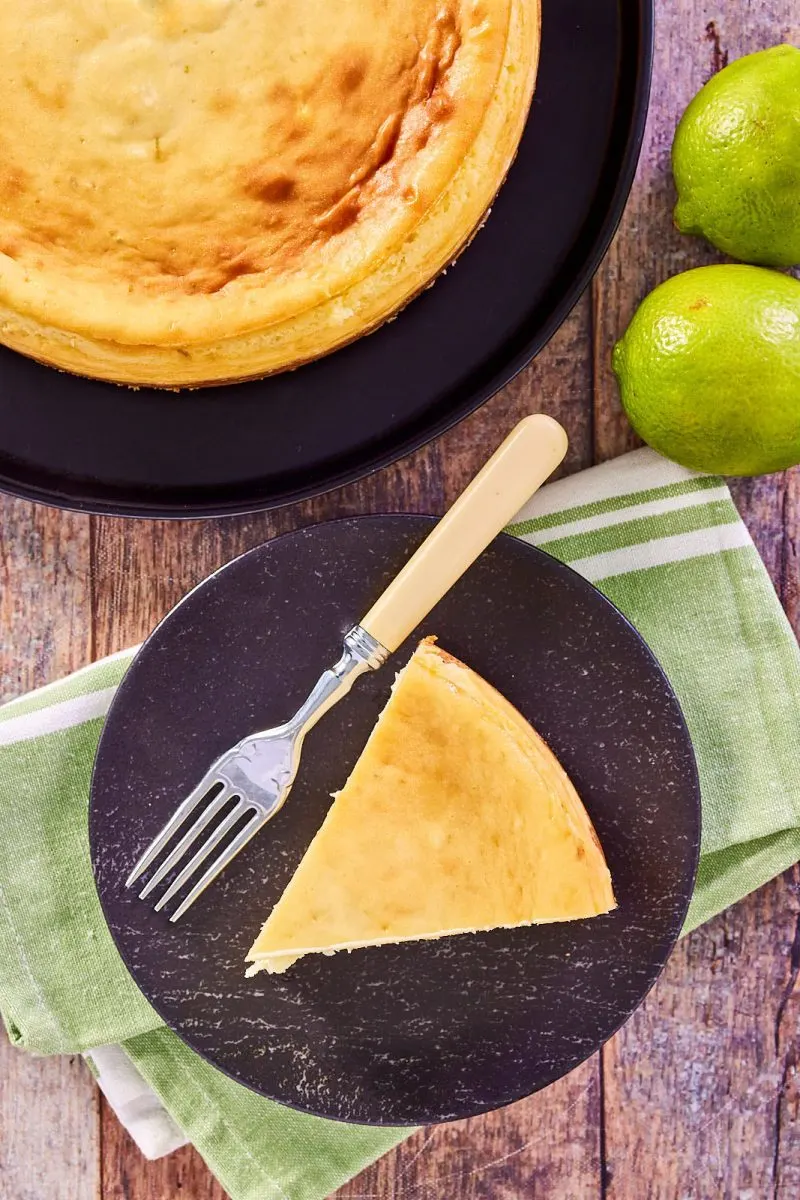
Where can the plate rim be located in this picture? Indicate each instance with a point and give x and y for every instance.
(640, 67)
(561, 568)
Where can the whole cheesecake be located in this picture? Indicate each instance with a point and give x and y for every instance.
(200, 191)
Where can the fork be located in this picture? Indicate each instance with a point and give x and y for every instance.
(256, 775)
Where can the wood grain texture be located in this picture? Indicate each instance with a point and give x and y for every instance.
(538, 1147)
(700, 1089)
(49, 1136)
(127, 1176)
(699, 1096)
(45, 595)
(694, 1085)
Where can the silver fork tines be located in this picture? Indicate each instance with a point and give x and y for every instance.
(222, 860)
(188, 839)
(173, 824)
(256, 775)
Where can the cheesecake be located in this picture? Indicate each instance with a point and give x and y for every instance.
(457, 818)
(201, 191)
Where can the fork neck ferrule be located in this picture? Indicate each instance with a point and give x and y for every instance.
(362, 648)
(361, 653)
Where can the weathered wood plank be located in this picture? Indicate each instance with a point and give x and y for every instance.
(786, 1131)
(701, 1082)
(648, 248)
(49, 1131)
(764, 504)
(49, 1128)
(558, 382)
(546, 1146)
(694, 1084)
(45, 595)
(790, 564)
(127, 1176)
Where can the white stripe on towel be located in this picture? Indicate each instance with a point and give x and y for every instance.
(633, 512)
(664, 550)
(135, 1103)
(639, 471)
(58, 717)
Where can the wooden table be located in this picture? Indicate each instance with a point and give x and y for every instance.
(699, 1095)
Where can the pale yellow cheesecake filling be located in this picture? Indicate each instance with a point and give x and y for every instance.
(456, 818)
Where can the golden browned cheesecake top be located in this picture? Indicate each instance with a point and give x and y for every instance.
(178, 170)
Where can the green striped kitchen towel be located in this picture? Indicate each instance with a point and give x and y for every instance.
(668, 547)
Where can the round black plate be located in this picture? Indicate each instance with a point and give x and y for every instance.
(79, 444)
(424, 1031)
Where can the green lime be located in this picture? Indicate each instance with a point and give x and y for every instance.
(736, 159)
(709, 370)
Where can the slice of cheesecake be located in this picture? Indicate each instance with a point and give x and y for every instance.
(456, 818)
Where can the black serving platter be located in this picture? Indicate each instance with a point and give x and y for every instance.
(425, 1031)
(94, 446)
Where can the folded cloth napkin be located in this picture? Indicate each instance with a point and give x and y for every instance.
(668, 547)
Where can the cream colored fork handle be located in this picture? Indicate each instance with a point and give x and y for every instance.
(527, 457)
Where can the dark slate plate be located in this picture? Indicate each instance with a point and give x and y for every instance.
(95, 446)
(420, 1032)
